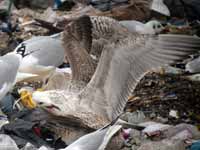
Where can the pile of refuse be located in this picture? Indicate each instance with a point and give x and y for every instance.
(64, 62)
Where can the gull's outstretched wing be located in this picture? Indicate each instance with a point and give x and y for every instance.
(122, 65)
(77, 41)
(97, 140)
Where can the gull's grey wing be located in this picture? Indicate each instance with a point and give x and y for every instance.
(90, 141)
(45, 50)
(97, 140)
(9, 65)
(122, 66)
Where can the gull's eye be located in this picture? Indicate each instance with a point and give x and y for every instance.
(159, 26)
(40, 103)
(154, 26)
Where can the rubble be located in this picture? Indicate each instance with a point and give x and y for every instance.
(162, 113)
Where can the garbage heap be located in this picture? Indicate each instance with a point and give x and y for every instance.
(162, 113)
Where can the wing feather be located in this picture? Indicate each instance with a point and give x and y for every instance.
(122, 66)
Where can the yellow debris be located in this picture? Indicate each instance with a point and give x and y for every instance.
(26, 99)
(133, 98)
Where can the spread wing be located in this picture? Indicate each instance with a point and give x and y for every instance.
(81, 30)
(77, 40)
(121, 66)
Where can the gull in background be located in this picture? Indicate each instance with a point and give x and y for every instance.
(193, 66)
(151, 27)
(44, 54)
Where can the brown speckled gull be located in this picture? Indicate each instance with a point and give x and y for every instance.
(125, 59)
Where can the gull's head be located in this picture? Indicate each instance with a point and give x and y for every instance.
(45, 100)
(192, 66)
(155, 25)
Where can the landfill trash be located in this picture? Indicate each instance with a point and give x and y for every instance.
(164, 145)
(44, 148)
(135, 10)
(172, 70)
(166, 136)
(132, 137)
(49, 15)
(7, 103)
(150, 27)
(63, 5)
(169, 96)
(159, 6)
(6, 7)
(3, 121)
(195, 77)
(25, 129)
(167, 91)
(126, 124)
(184, 9)
(7, 143)
(3, 43)
(173, 113)
(29, 146)
(105, 5)
(179, 29)
(26, 97)
(8, 27)
(33, 4)
(21, 131)
(195, 146)
(67, 18)
(9, 66)
(48, 25)
(174, 132)
(153, 128)
(134, 117)
(158, 97)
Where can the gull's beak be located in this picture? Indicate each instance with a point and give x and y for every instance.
(53, 106)
(30, 53)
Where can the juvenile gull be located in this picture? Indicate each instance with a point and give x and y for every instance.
(125, 59)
